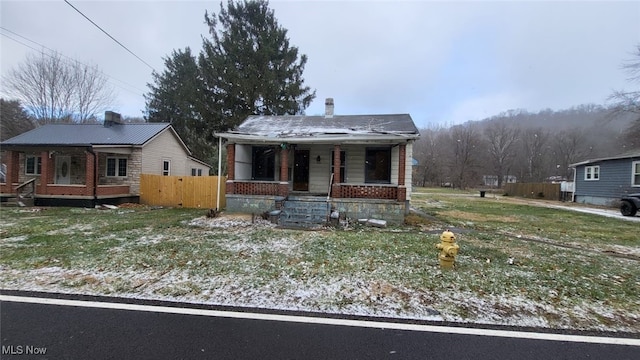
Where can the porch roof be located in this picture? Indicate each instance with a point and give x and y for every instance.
(343, 128)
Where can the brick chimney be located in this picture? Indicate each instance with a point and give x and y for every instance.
(111, 118)
(328, 108)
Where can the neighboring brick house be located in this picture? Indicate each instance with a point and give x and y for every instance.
(84, 165)
(359, 165)
(604, 181)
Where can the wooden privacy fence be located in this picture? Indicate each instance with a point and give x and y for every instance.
(533, 190)
(182, 191)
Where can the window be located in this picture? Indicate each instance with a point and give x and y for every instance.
(263, 163)
(196, 172)
(116, 167)
(199, 172)
(592, 173)
(377, 165)
(343, 161)
(166, 167)
(33, 165)
(635, 172)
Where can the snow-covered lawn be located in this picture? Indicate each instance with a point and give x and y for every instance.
(232, 260)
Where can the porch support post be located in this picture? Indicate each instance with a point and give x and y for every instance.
(231, 167)
(335, 186)
(47, 171)
(89, 174)
(402, 162)
(283, 187)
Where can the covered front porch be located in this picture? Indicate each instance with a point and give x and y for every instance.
(66, 176)
(359, 179)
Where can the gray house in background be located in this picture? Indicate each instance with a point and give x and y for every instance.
(603, 181)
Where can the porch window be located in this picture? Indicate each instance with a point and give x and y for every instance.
(263, 163)
(377, 165)
(592, 172)
(635, 181)
(343, 161)
(116, 167)
(33, 165)
(166, 167)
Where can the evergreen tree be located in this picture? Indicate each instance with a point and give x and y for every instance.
(249, 67)
(175, 97)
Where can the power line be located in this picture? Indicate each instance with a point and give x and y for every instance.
(112, 38)
(70, 58)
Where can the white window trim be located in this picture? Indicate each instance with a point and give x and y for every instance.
(633, 174)
(168, 161)
(35, 165)
(592, 172)
(117, 169)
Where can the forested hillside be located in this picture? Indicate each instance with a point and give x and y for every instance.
(533, 147)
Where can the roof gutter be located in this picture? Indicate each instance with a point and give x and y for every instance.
(359, 139)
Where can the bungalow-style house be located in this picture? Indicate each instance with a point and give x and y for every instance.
(307, 168)
(604, 181)
(89, 164)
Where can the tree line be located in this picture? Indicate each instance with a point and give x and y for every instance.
(532, 147)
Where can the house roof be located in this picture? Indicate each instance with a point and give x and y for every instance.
(626, 155)
(88, 135)
(302, 128)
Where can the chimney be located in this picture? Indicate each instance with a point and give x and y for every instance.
(111, 118)
(328, 108)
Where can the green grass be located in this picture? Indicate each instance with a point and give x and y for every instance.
(126, 251)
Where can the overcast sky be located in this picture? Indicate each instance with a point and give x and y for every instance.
(442, 62)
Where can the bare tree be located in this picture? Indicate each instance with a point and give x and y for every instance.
(463, 157)
(533, 154)
(501, 141)
(625, 102)
(91, 95)
(569, 147)
(429, 150)
(54, 90)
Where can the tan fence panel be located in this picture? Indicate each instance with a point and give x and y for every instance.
(182, 191)
(533, 190)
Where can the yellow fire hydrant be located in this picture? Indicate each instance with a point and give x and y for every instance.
(448, 249)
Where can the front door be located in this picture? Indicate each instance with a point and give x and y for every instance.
(63, 170)
(301, 170)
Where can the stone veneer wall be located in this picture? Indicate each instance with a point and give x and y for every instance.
(389, 210)
(134, 169)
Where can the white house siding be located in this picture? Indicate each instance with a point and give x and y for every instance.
(408, 169)
(192, 164)
(165, 147)
(243, 162)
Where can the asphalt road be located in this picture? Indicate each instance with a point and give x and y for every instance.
(124, 331)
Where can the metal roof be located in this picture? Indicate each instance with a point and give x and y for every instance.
(87, 135)
(627, 155)
(297, 127)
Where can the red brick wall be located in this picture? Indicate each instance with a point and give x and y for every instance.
(254, 188)
(369, 192)
(231, 162)
(113, 189)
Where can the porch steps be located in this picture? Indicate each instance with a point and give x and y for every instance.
(21, 201)
(304, 212)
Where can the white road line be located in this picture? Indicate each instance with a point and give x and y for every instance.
(326, 321)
